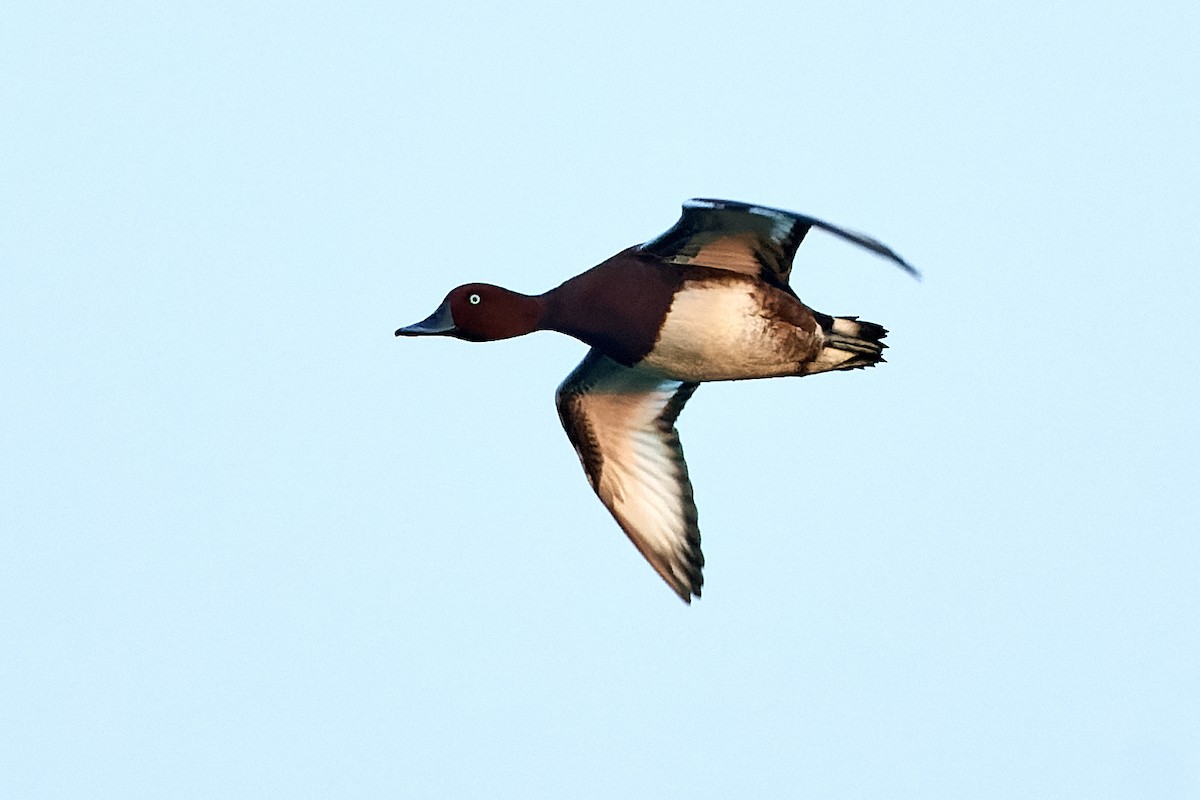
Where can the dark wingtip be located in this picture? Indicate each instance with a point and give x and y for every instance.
(688, 588)
(893, 256)
(862, 240)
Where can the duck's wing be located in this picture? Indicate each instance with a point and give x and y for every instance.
(622, 423)
(755, 240)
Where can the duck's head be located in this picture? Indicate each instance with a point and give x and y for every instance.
(480, 312)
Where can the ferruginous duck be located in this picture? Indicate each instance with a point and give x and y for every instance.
(709, 300)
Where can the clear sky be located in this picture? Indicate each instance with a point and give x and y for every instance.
(255, 546)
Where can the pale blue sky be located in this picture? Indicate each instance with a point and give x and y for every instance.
(254, 546)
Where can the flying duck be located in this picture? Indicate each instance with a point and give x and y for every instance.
(708, 300)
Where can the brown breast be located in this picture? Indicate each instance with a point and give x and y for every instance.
(617, 306)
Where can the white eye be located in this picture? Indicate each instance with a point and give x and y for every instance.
(473, 299)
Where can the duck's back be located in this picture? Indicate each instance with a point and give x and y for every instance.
(692, 323)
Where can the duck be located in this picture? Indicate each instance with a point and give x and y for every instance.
(710, 299)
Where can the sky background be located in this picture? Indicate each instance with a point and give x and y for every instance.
(254, 546)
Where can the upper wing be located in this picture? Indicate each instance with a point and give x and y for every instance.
(622, 423)
(755, 240)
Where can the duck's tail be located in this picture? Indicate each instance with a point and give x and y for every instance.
(850, 343)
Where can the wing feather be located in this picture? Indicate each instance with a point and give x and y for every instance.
(621, 421)
(755, 240)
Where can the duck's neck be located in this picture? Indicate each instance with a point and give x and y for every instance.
(526, 314)
(550, 312)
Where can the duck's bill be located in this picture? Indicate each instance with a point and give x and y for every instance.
(439, 323)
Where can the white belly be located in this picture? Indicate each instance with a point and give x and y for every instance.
(720, 331)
